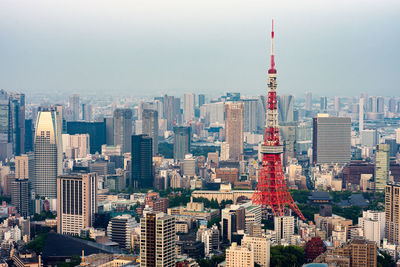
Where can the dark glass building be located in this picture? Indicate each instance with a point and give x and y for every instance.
(96, 131)
(142, 161)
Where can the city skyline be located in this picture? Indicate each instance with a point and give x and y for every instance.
(206, 47)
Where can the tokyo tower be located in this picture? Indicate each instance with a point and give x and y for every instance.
(271, 189)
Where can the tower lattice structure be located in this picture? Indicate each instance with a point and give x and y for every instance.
(271, 189)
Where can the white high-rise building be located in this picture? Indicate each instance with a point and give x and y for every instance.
(239, 256)
(224, 151)
(188, 107)
(284, 228)
(76, 146)
(46, 159)
(369, 221)
(397, 131)
(210, 238)
(261, 248)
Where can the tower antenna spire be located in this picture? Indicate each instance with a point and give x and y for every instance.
(272, 68)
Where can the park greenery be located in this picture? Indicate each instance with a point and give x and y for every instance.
(283, 256)
(214, 261)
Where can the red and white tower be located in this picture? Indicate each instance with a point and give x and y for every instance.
(271, 189)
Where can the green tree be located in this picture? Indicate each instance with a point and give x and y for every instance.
(38, 243)
(385, 260)
(287, 256)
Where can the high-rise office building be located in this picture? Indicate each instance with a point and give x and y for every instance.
(308, 103)
(24, 166)
(17, 123)
(331, 139)
(239, 256)
(284, 228)
(120, 229)
(213, 113)
(382, 163)
(361, 115)
(142, 161)
(373, 225)
(150, 127)
(392, 213)
(188, 108)
(123, 128)
(392, 105)
(87, 112)
(323, 105)
(261, 247)
(28, 139)
(20, 196)
(76, 146)
(285, 108)
(251, 116)
(234, 129)
(157, 240)
(46, 154)
(182, 142)
(232, 220)
(76, 202)
(74, 106)
(201, 100)
(172, 111)
(96, 130)
(369, 137)
(337, 103)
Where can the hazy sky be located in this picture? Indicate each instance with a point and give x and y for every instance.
(145, 47)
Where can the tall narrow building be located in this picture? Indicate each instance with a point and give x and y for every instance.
(142, 162)
(284, 228)
(188, 108)
(323, 105)
(234, 129)
(17, 123)
(46, 158)
(382, 163)
(308, 103)
(76, 202)
(392, 213)
(150, 127)
(157, 240)
(74, 106)
(182, 142)
(20, 196)
(123, 128)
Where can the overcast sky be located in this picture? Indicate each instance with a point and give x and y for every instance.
(145, 47)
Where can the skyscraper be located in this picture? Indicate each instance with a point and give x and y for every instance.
(150, 127)
(142, 161)
(74, 106)
(234, 129)
(392, 213)
(24, 166)
(17, 123)
(123, 129)
(119, 230)
(188, 108)
(96, 130)
(172, 110)
(182, 142)
(252, 113)
(382, 163)
(331, 139)
(201, 100)
(76, 202)
(285, 108)
(308, 103)
(337, 103)
(87, 112)
(323, 106)
(20, 196)
(157, 240)
(284, 228)
(46, 154)
(361, 115)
